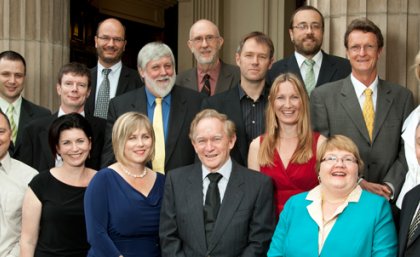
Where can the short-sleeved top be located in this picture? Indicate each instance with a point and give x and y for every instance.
(62, 225)
(294, 179)
(120, 220)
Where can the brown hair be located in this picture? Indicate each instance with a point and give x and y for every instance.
(364, 25)
(260, 38)
(305, 137)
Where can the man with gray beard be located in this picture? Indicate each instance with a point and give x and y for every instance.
(166, 104)
(211, 75)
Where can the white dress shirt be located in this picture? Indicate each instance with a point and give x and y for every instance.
(359, 87)
(16, 114)
(317, 66)
(113, 77)
(14, 179)
(225, 171)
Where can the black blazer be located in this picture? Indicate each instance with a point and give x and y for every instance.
(28, 113)
(409, 206)
(37, 153)
(185, 104)
(129, 80)
(332, 68)
(229, 77)
(229, 103)
(244, 225)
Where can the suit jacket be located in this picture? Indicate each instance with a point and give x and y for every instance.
(332, 68)
(129, 80)
(229, 76)
(185, 104)
(244, 225)
(409, 207)
(28, 112)
(335, 109)
(364, 229)
(229, 103)
(37, 152)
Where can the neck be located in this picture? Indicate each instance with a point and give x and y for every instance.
(333, 197)
(365, 78)
(206, 67)
(307, 56)
(73, 172)
(134, 168)
(253, 89)
(70, 109)
(288, 131)
(106, 64)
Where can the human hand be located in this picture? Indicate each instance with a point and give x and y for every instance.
(382, 190)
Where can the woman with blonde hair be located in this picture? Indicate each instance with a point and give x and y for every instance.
(287, 150)
(122, 202)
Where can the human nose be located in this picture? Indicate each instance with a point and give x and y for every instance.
(209, 146)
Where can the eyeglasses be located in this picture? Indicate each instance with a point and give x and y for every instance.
(209, 39)
(366, 48)
(306, 26)
(106, 39)
(346, 160)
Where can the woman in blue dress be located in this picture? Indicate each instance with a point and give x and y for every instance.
(122, 202)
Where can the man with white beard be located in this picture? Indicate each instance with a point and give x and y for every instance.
(169, 107)
(211, 75)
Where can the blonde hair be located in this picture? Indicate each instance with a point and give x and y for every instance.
(416, 66)
(229, 126)
(305, 138)
(342, 143)
(124, 127)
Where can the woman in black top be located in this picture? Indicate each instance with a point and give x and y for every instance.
(53, 222)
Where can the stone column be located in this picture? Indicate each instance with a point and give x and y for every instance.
(39, 31)
(398, 21)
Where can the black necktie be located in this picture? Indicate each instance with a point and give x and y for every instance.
(206, 87)
(212, 204)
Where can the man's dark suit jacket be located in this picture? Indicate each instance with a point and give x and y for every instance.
(229, 103)
(332, 68)
(36, 151)
(244, 225)
(229, 76)
(129, 80)
(335, 109)
(185, 104)
(408, 210)
(28, 113)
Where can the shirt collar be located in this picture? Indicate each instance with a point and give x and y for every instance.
(212, 73)
(225, 170)
(359, 87)
(6, 163)
(61, 113)
(317, 58)
(263, 94)
(114, 68)
(316, 194)
(16, 104)
(151, 98)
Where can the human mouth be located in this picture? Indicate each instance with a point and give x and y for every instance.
(338, 174)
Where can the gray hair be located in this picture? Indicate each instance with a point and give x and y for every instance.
(153, 51)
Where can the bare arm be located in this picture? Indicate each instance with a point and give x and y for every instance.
(31, 215)
(253, 154)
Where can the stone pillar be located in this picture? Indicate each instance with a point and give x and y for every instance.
(39, 31)
(398, 21)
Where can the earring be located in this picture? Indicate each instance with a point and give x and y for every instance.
(319, 179)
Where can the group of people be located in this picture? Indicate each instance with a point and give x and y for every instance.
(299, 157)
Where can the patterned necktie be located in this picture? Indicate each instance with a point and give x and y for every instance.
(206, 86)
(212, 203)
(102, 102)
(368, 112)
(9, 112)
(158, 162)
(413, 227)
(310, 75)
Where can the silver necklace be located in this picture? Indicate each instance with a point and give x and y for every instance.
(141, 175)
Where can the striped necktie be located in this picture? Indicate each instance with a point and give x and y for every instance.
(9, 112)
(310, 75)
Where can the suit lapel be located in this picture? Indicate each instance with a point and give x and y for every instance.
(44, 135)
(123, 81)
(25, 116)
(190, 80)
(224, 80)
(176, 121)
(351, 105)
(293, 66)
(195, 204)
(90, 103)
(327, 70)
(231, 200)
(383, 105)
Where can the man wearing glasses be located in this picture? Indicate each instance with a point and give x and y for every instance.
(110, 77)
(369, 110)
(309, 62)
(211, 75)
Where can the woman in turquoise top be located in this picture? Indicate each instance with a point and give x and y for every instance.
(337, 218)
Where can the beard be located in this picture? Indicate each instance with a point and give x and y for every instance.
(109, 60)
(307, 50)
(161, 89)
(204, 60)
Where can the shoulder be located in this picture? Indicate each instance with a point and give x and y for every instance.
(129, 97)
(336, 59)
(223, 97)
(395, 87)
(255, 177)
(41, 179)
(187, 94)
(372, 200)
(95, 121)
(183, 172)
(229, 67)
(186, 74)
(36, 109)
(24, 171)
(330, 88)
(282, 62)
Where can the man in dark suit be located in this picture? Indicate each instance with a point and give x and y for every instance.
(216, 207)
(410, 246)
(110, 44)
(245, 103)
(306, 32)
(176, 108)
(367, 109)
(73, 87)
(212, 75)
(19, 110)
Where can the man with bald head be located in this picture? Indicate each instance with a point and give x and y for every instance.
(110, 77)
(211, 75)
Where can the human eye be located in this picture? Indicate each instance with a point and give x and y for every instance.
(145, 136)
(302, 26)
(210, 38)
(80, 140)
(355, 48)
(118, 39)
(349, 159)
(316, 26)
(330, 158)
(19, 75)
(65, 142)
(197, 39)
